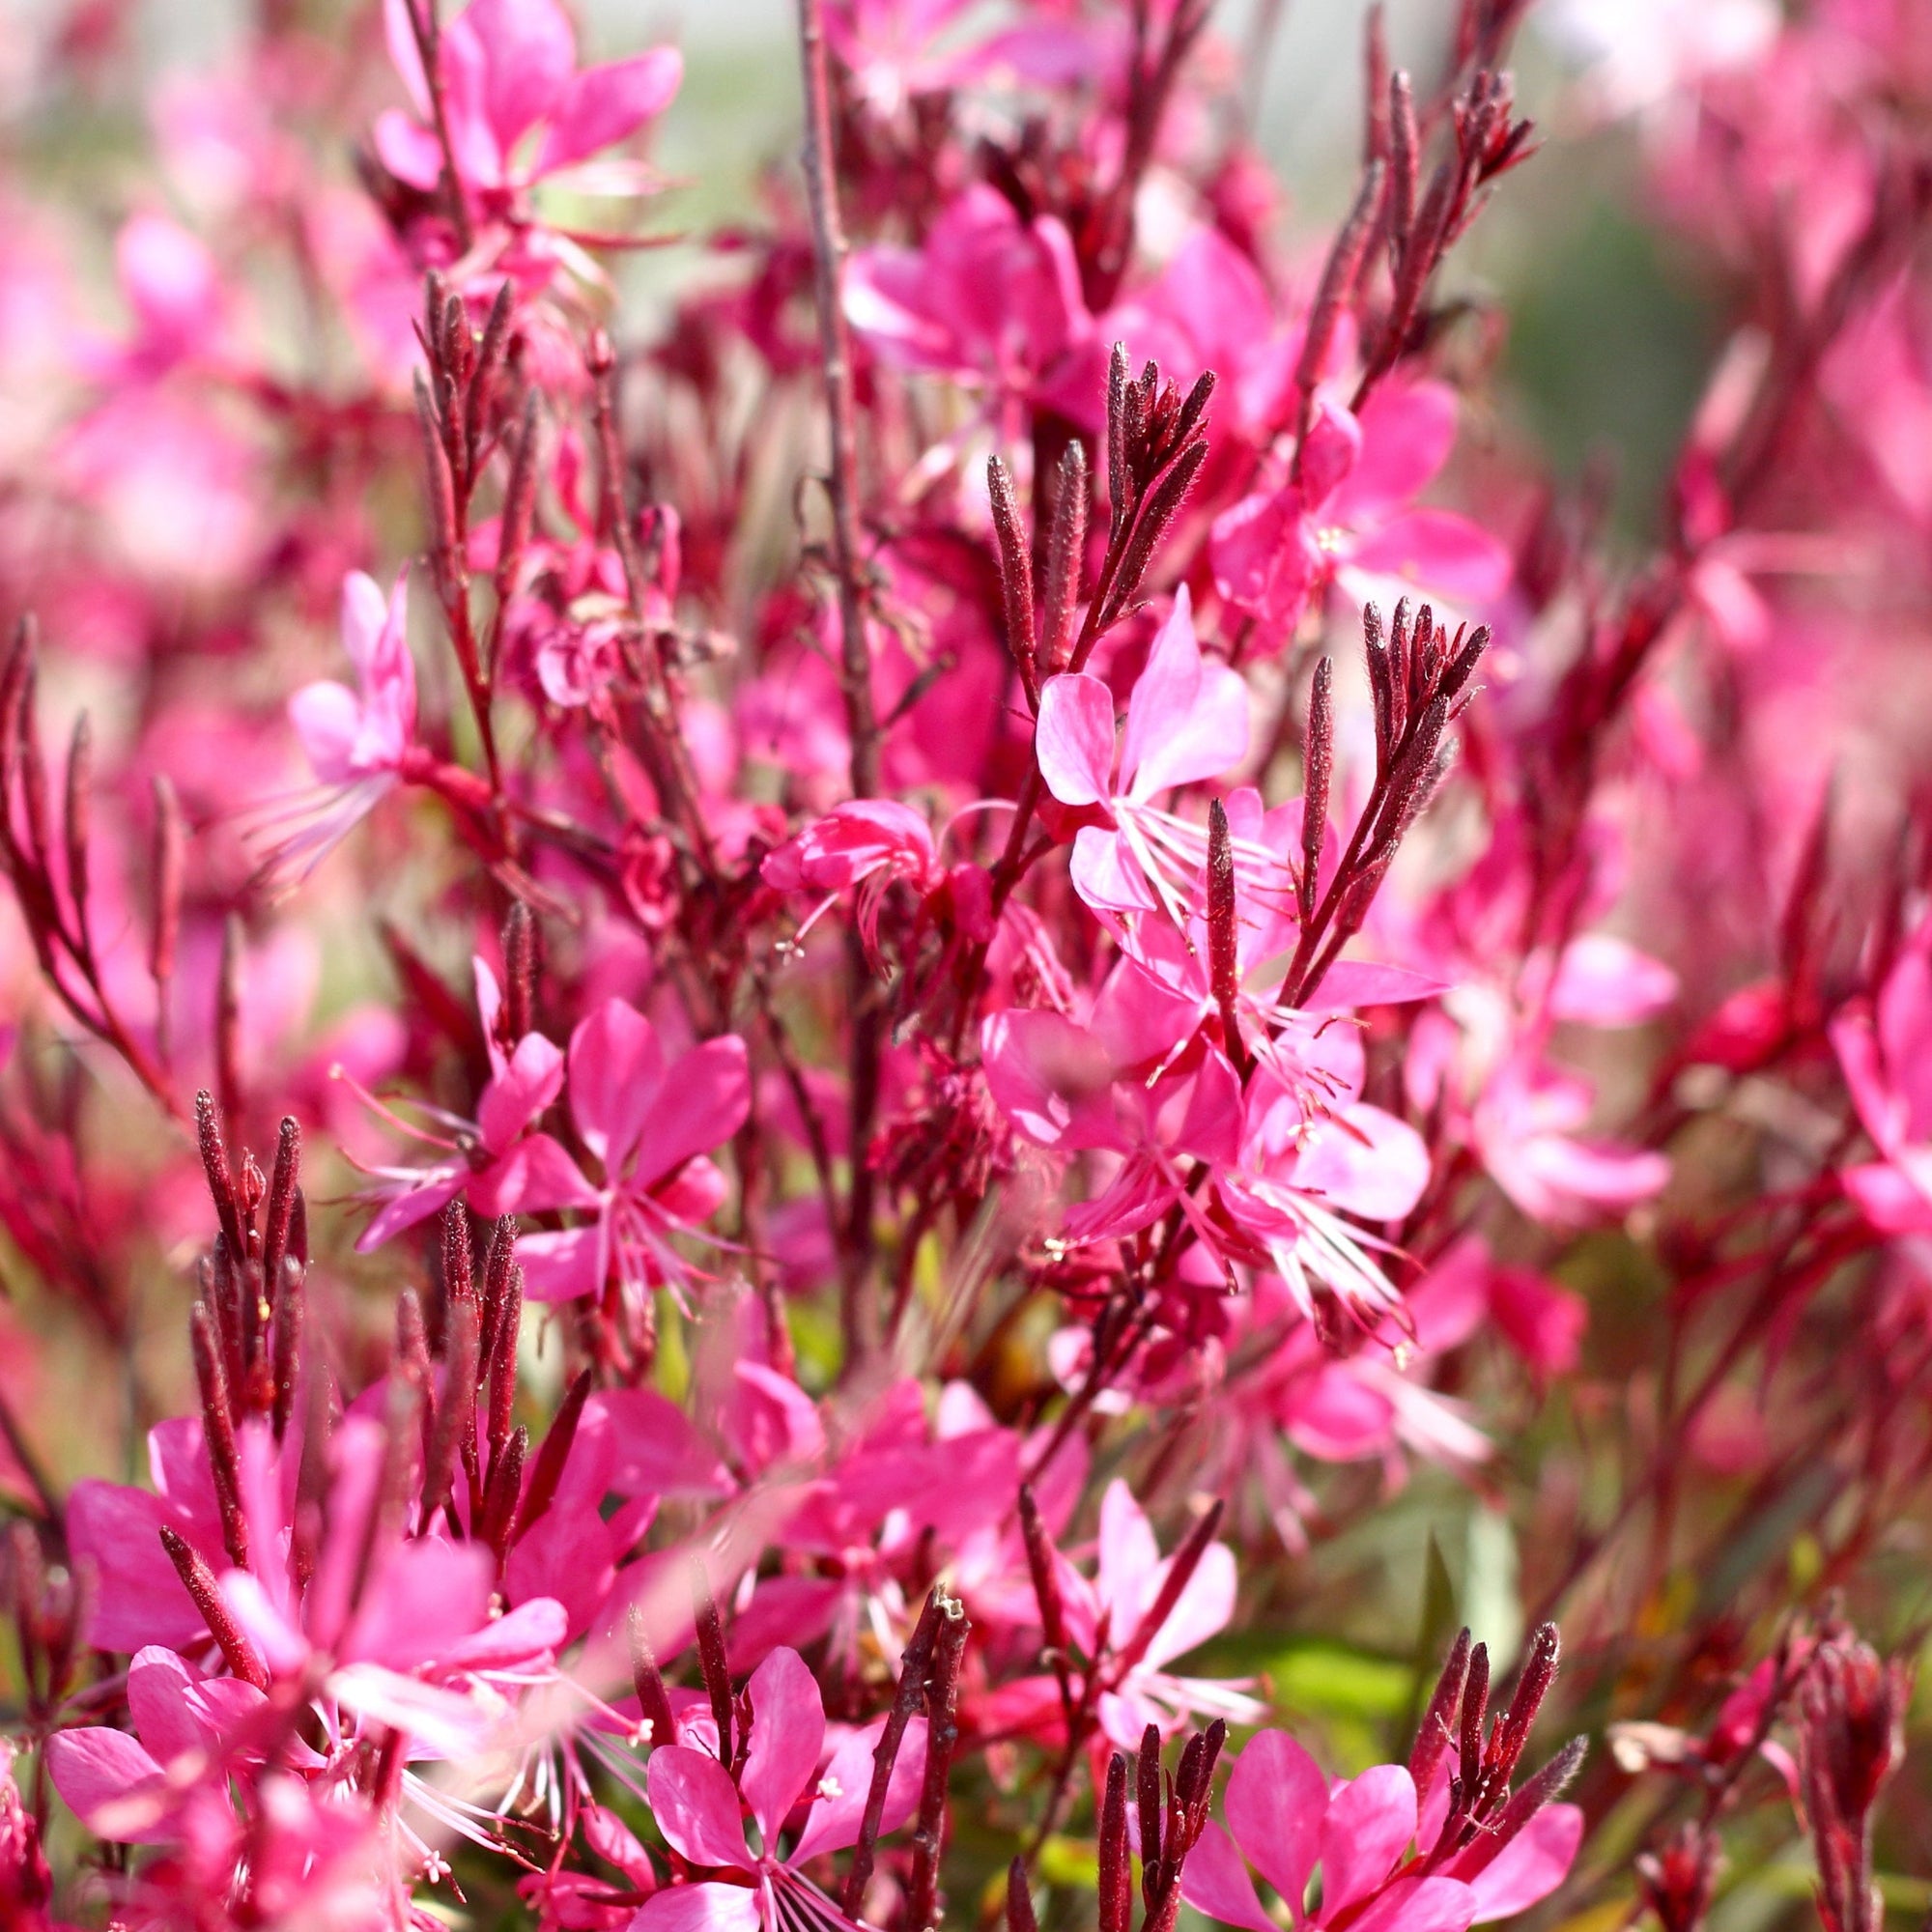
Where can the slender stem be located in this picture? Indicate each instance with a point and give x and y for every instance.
(828, 252)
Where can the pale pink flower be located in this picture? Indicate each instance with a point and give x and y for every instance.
(1188, 721)
(359, 741)
(1106, 1617)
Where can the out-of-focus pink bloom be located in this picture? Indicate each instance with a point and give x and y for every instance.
(1106, 1615)
(650, 1126)
(1188, 721)
(26, 1885)
(1885, 1050)
(359, 742)
(988, 299)
(392, 1632)
(1527, 1122)
(116, 1528)
(700, 1807)
(1350, 517)
(519, 108)
(133, 1790)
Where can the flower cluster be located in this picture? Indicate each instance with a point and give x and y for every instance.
(868, 1065)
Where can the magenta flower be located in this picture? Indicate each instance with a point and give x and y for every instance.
(1290, 1823)
(989, 300)
(519, 108)
(1188, 721)
(700, 1808)
(359, 741)
(389, 1630)
(649, 1125)
(1349, 517)
(867, 843)
(494, 1161)
(1884, 1051)
(132, 1790)
(1304, 1166)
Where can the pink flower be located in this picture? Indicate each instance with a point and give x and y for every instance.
(389, 1630)
(519, 108)
(1289, 1823)
(188, 1733)
(866, 842)
(988, 299)
(358, 741)
(495, 1161)
(1884, 1051)
(1302, 1166)
(1349, 516)
(1187, 721)
(649, 1125)
(1527, 1123)
(700, 1807)
(1107, 1617)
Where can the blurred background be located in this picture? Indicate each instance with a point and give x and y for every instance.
(1605, 341)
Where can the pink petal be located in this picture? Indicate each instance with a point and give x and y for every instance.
(699, 1908)
(1187, 720)
(703, 1102)
(1051, 1078)
(657, 1450)
(1216, 1882)
(604, 105)
(415, 1200)
(1277, 1799)
(835, 1817)
(1437, 551)
(532, 1633)
(140, 1599)
(1265, 558)
(408, 62)
(1606, 981)
(1407, 432)
(516, 1096)
(616, 1071)
(1370, 1820)
(535, 1177)
(559, 1267)
(1074, 738)
(328, 718)
(695, 1805)
(1206, 1607)
(1130, 1559)
(409, 151)
(1365, 1162)
(1531, 1867)
(1419, 1905)
(110, 1783)
(787, 1734)
(530, 54)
